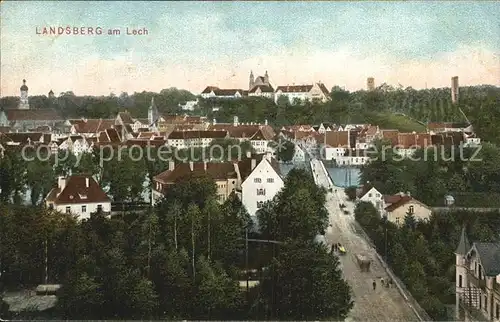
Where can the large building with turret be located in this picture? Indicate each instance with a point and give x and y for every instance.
(28, 118)
(477, 285)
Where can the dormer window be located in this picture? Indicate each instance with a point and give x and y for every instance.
(82, 196)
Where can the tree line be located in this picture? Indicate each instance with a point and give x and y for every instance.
(421, 253)
(471, 175)
(184, 259)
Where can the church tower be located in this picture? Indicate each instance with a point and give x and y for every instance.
(23, 103)
(461, 270)
(266, 79)
(252, 81)
(152, 114)
(51, 94)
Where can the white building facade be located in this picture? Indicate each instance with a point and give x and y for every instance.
(263, 183)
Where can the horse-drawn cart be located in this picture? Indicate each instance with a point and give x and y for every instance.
(364, 262)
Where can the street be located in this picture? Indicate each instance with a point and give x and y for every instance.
(381, 304)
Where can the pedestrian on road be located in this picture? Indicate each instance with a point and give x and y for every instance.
(374, 285)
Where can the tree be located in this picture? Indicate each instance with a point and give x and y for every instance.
(216, 293)
(410, 221)
(306, 268)
(81, 298)
(285, 149)
(351, 192)
(297, 211)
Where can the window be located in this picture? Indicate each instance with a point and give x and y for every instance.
(480, 272)
(497, 311)
(260, 204)
(397, 220)
(84, 208)
(261, 192)
(99, 208)
(411, 209)
(68, 210)
(459, 280)
(270, 180)
(485, 304)
(257, 180)
(51, 206)
(369, 195)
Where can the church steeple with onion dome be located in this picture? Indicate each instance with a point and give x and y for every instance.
(23, 103)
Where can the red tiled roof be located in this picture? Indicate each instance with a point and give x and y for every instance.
(113, 135)
(218, 171)
(228, 92)
(75, 191)
(25, 137)
(179, 135)
(33, 114)
(144, 143)
(400, 202)
(324, 89)
(263, 89)
(93, 125)
(208, 89)
(126, 117)
(261, 135)
(337, 138)
(391, 135)
(295, 88)
(408, 140)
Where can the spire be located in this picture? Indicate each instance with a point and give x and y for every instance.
(463, 245)
(152, 102)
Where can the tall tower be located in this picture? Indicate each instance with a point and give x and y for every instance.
(152, 114)
(23, 103)
(370, 83)
(461, 270)
(454, 89)
(51, 94)
(252, 80)
(266, 78)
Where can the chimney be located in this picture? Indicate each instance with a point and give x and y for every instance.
(205, 165)
(269, 155)
(61, 183)
(191, 165)
(214, 121)
(171, 165)
(87, 182)
(253, 164)
(265, 122)
(235, 121)
(249, 154)
(408, 193)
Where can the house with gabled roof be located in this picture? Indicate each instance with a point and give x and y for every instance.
(477, 281)
(255, 179)
(399, 205)
(302, 93)
(80, 195)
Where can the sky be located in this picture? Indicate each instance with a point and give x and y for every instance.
(191, 45)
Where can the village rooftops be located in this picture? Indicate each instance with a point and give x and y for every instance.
(77, 189)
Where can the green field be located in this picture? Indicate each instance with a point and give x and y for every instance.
(395, 121)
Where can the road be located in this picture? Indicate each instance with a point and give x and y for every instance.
(381, 304)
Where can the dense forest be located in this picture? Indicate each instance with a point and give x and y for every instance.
(183, 259)
(422, 253)
(406, 109)
(470, 175)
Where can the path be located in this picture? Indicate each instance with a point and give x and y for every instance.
(382, 304)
